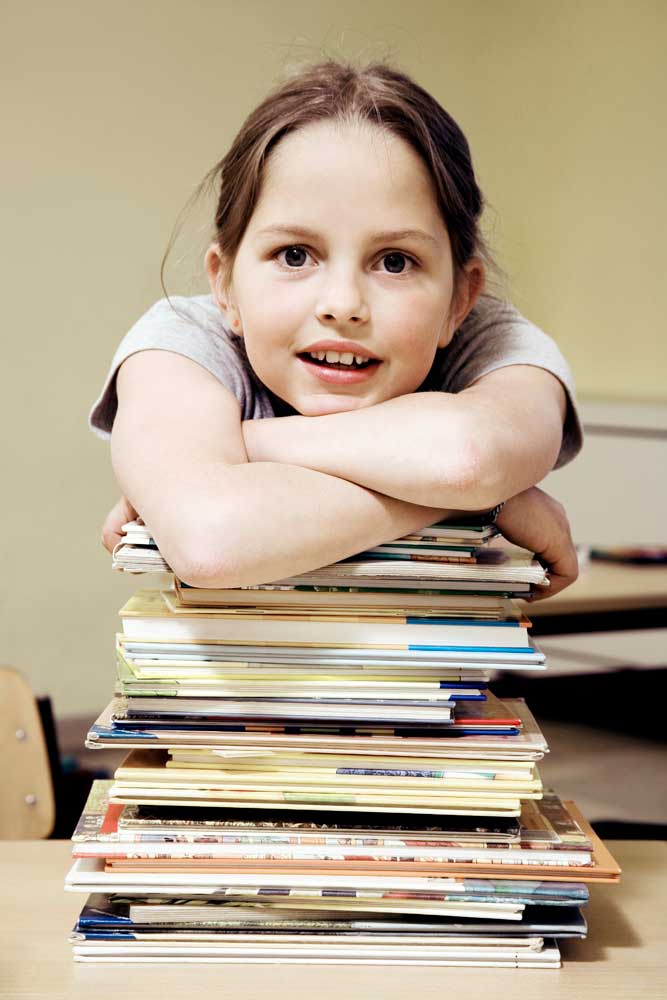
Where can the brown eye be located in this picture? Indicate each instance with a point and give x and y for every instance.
(395, 262)
(294, 256)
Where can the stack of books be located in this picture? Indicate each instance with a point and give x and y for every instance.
(318, 771)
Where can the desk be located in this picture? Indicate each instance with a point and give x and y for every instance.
(623, 955)
(606, 597)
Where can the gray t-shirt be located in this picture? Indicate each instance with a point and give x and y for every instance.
(492, 336)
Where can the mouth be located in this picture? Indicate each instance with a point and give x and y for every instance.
(342, 368)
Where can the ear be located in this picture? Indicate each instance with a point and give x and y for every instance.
(219, 278)
(469, 286)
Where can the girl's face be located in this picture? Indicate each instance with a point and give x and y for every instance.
(342, 286)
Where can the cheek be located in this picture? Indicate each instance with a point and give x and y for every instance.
(275, 307)
(270, 320)
(410, 333)
(411, 326)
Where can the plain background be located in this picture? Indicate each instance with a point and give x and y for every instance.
(114, 112)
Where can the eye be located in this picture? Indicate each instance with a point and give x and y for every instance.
(395, 262)
(295, 256)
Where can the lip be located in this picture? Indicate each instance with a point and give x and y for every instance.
(339, 376)
(343, 347)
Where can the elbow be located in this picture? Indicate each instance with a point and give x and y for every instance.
(200, 558)
(206, 567)
(471, 480)
(201, 572)
(483, 490)
(492, 464)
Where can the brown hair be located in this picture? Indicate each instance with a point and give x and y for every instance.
(376, 93)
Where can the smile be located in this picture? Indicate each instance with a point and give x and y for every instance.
(339, 368)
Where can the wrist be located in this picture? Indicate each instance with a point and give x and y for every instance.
(277, 439)
(256, 434)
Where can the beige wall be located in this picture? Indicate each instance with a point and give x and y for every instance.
(117, 110)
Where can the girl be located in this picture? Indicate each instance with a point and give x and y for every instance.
(346, 382)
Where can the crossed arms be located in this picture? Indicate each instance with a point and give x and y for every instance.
(234, 503)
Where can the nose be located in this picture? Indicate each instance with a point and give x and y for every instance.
(342, 301)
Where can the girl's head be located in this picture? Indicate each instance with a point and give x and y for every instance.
(348, 219)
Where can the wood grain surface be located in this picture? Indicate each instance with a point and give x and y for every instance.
(623, 956)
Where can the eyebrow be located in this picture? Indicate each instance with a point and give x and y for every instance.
(381, 237)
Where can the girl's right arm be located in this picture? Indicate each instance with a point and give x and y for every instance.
(219, 520)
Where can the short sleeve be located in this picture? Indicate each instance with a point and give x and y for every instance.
(495, 335)
(193, 327)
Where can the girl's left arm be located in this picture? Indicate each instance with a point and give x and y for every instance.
(464, 451)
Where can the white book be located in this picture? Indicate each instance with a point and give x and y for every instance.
(279, 709)
(148, 616)
(90, 871)
(549, 960)
(344, 656)
(190, 689)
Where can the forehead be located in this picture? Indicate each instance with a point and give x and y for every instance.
(347, 172)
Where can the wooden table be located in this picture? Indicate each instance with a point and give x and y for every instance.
(606, 597)
(623, 956)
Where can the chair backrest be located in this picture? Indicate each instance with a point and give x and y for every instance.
(27, 804)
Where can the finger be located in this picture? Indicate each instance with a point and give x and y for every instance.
(109, 538)
(555, 585)
(557, 582)
(120, 514)
(125, 510)
(560, 582)
(111, 534)
(564, 571)
(562, 565)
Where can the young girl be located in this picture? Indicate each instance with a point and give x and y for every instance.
(346, 382)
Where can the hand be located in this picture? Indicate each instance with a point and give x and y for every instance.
(537, 522)
(119, 515)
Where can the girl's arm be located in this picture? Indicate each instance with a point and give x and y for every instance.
(466, 450)
(535, 521)
(179, 458)
(532, 519)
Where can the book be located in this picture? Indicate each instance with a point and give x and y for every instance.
(429, 582)
(147, 615)
(202, 710)
(303, 657)
(286, 604)
(318, 799)
(543, 823)
(510, 571)
(137, 533)
(332, 597)
(341, 713)
(156, 767)
(91, 874)
(105, 822)
(106, 913)
(503, 569)
(528, 743)
(299, 953)
(318, 772)
(131, 683)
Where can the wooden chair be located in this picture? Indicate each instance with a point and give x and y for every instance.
(27, 802)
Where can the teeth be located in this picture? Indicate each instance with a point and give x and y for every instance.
(335, 357)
